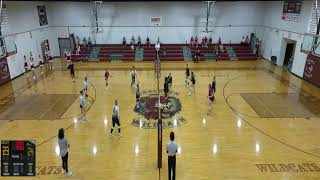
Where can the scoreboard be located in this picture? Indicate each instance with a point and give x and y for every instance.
(18, 158)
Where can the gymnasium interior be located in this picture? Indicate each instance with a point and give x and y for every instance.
(263, 58)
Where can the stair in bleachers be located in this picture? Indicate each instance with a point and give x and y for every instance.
(209, 56)
(244, 53)
(139, 54)
(187, 55)
(94, 54)
(232, 54)
(115, 57)
(83, 56)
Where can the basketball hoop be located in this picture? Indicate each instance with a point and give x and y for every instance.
(96, 5)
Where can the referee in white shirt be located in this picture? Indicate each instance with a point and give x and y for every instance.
(157, 47)
(172, 148)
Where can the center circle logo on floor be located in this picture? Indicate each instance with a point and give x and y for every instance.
(147, 110)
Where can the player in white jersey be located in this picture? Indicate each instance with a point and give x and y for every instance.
(68, 57)
(85, 86)
(115, 118)
(82, 106)
(41, 62)
(133, 76)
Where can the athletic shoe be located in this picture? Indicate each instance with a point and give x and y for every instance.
(120, 135)
(68, 173)
(111, 135)
(189, 94)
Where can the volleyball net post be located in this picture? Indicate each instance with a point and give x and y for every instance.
(157, 70)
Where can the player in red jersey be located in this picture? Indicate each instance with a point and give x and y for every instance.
(106, 77)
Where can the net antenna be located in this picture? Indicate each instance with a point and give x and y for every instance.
(96, 6)
(208, 16)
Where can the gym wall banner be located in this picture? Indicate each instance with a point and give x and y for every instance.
(312, 70)
(4, 71)
(42, 13)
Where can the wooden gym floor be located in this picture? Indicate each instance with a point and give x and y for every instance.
(265, 124)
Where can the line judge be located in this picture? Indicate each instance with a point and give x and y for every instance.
(172, 149)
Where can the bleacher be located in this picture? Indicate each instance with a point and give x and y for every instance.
(83, 55)
(174, 52)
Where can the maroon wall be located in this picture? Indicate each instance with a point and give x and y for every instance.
(312, 70)
(4, 71)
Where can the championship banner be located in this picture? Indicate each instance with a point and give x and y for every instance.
(312, 70)
(42, 13)
(4, 71)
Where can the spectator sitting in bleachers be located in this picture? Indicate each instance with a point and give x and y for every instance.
(202, 42)
(124, 41)
(210, 41)
(133, 41)
(164, 52)
(242, 41)
(139, 41)
(197, 56)
(78, 50)
(219, 41)
(77, 41)
(205, 42)
(196, 41)
(247, 41)
(148, 42)
(221, 48)
(84, 41)
(216, 52)
(89, 42)
(216, 49)
(191, 41)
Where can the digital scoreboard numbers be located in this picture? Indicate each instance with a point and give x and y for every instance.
(18, 158)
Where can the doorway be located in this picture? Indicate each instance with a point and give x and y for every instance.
(289, 53)
(288, 48)
(64, 43)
